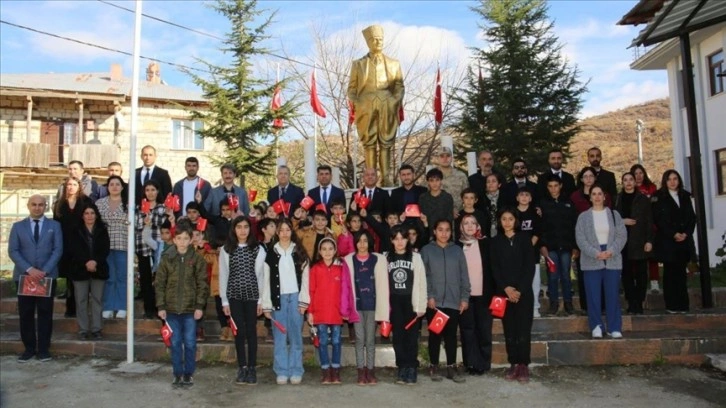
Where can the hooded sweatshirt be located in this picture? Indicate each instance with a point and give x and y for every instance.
(447, 276)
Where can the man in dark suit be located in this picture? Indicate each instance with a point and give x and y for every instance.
(284, 189)
(188, 187)
(519, 180)
(379, 197)
(408, 193)
(36, 246)
(605, 178)
(149, 171)
(555, 158)
(326, 192)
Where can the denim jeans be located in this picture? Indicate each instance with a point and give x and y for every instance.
(114, 293)
(597, 281)
(288, 347)
(562, 260)
(185, 333)
(325, 339)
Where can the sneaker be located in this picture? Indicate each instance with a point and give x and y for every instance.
(511, 373)
(553, 309)
(121, 314)
(371, 376)
(654, 287)
(295, 380)
(107, 314)
(251, 376)
(96, 335)
(523, 376)
(671, 311)
(326, 376)
(536, 313)
(362, 376)
(82, 335)
(177, 382)
(26, 356)
(597, 332)
(281, 380)
(335, 378)
(241, 376)
(568, 308)
(402, 377)
(187, 380)
(434, 373)
(616, 335)
(412, 376)
(269, 338)
(452, 373)
(44, 357)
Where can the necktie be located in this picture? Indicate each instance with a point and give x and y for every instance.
(36, 231)
(370, 194)
(325, 195)
(521, 184)
(148, 175)
(282, 193)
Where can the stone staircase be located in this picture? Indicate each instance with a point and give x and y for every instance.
(654, 337)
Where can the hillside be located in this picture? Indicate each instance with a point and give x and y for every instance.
(614, 133)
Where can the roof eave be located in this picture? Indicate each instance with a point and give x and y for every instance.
(658, 57)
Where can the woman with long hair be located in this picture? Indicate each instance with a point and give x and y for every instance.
(68, 210)
(89, 247)
(476, 321)
(635, 209)
(283, 289)
(648, 188)
(676, 221)
(156, 216)
(241, 269)
(601, 237)
(113, 209)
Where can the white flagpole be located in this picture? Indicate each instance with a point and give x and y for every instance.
(277, 141)
(315, 117)
(132, 188)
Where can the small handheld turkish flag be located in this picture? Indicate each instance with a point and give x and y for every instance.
(307, 203)
(413, 210)
(411, 323)
(279, 326)
(145, 206)
(202, 224)
(551, 265)
(314, 336)
(232, 325)
(279, 206)
(385, 329)
(498, 306)
(173, 202)
(321, 207)
(252, 194)
(233, 201)
(438, 322)
(166, 333)
(364, 202)
(200, 184)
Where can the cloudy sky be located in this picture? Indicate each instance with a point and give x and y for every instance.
(416, 31)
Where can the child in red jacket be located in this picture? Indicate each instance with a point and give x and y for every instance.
(325, 283)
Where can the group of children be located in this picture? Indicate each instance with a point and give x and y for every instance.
(356, 269)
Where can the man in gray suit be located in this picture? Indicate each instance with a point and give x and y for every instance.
(36, 246)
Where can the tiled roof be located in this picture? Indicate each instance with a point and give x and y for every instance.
(97, 83)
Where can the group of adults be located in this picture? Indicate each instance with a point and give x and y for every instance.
(611, 235)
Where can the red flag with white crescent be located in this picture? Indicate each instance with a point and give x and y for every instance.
(438, 112)
(275, 106)
(314, 101)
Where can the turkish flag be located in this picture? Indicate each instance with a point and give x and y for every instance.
(252, 194)
(551, 265)
(438, 112)
(307, 203)
(275, 106)
(145, 206)
(173, 202)
(321, 207)
(351, 113)
(166, 333)
(363, 202)
(413, 210)
(279, 326)
(438, 322)
(202, 224)
(314, 101)
(232, 325)
(498, 306)
(386, 329)
(200, 184)
(279, 206)
(411, 323)
(233, 201)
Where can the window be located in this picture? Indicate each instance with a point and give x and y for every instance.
(70, 133)
(185, 135)
(721, 171)
(716, 72)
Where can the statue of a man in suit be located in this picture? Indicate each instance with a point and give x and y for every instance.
(376, 92)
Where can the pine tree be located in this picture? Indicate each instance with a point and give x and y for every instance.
(239, 113)
(527, 101)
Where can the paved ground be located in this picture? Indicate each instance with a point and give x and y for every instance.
(84, 382)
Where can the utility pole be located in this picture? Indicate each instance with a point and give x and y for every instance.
(639, 125)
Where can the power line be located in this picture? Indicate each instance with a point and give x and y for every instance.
(171, 23)
(180, 66)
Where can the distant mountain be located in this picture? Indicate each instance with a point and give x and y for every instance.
(614, 133)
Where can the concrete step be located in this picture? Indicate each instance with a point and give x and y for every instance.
(670, 346)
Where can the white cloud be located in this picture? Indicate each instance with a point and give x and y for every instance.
(591, 28)
(630, 93)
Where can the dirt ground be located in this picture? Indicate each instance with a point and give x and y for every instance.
(85, 382)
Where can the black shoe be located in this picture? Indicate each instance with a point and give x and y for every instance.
(26, 356)
(241, 376)
(251, 378)
(553, 309)
(434, 373)
(63, 295)
(69, 314)
(96, 335)
(452, 373)
(44, 357)
(410, 375)
(82, 335)
(569, 309)
(177, 382)
(187, 380)
(402, 377)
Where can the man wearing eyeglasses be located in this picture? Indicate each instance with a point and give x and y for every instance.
(519, 180)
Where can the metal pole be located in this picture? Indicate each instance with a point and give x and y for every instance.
(696, 171)
(132, 188)
(639, 131)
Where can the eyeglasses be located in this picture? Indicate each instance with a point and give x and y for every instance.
(520, 167)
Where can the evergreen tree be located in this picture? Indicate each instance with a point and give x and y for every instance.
(239, 113)
(527, 101)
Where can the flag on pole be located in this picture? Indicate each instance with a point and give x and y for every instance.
(275, 106)
(438, 112)
(400, 113)
(314, 101)
(351, 113)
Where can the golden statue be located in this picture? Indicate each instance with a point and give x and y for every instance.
(376, 92)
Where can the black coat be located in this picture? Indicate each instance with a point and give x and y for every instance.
(397, 203)
(478, 183)
(512, 263)
(82, 251)
(70, 220)
(380, 202)
(559, 218)
(159, 175)
(640, 233)
(488, 284)
(293, 195)
(511, 190)
(335, 194)
(568, 184)
(671, 219)
(606, 179)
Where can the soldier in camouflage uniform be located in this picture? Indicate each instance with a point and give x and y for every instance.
(455, 180)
